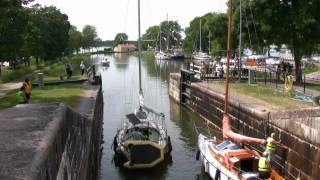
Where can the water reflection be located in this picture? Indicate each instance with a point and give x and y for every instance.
(120, 86)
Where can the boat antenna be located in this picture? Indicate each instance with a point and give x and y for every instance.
(228, 58)
(139, 58)
(200, 49)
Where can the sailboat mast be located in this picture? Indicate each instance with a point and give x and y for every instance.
(139, 48)
(200, 49)
(160, 37)
(168, 33)
(228, 58)
(240, 42)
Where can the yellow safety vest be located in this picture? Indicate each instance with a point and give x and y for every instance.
(270, 146)
(263, 165)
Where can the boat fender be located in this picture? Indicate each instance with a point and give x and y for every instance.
(169, 144)
(198, 155)
(206, 166)
(217, 176)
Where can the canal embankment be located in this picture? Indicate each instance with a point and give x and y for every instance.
(297, 129)
(52, 140)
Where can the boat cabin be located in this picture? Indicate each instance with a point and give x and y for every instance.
(237, 160)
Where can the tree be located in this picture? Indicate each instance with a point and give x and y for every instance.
(54, 28)
(120, 39)
(170, 34)
(294, 23)
(13, 22)
(150, 38)
(74, 43)
(89, 36)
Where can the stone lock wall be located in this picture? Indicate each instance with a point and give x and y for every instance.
(50, 141)
(174, 87)
(298, 130)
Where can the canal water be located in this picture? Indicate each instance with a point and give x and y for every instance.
(120, 92)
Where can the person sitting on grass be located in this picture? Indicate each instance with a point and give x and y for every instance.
(21, 96)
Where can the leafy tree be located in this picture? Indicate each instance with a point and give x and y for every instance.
(120, 39)
(89, 37)
(170, 34)
(54, 28)
(151, 37)
(74, 43)
(13, 22)
(294, 23)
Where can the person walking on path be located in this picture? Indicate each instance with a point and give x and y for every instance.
(27, 89)
(82, 68)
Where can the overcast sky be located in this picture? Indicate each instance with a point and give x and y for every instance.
(113, 16)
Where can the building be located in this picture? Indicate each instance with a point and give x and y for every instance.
(124, 48)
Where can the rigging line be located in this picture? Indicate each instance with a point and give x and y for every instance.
(126, 17)
(254, 26)
(245, 15)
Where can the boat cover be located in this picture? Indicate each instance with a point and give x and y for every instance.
(133, 118)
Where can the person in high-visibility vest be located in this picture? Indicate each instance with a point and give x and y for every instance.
(271, 145)
(264, 166)
(21, 96)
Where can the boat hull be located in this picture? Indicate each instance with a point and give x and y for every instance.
(141, 154)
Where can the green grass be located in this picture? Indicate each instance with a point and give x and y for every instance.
(9, 74)
(313, 86)
(51, 69)
(310, 68)
(270, 96)
(68, 94)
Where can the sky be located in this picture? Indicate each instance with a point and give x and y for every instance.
(113, 16)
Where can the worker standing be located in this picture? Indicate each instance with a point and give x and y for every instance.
(271, 146)
(264, 166)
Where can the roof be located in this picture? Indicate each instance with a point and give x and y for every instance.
(127, 46)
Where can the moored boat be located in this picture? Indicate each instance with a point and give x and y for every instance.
(142, 141)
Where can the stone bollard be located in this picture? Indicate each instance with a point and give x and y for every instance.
(40, 80)
(251, 74)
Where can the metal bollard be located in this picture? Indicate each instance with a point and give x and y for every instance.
(40, 80)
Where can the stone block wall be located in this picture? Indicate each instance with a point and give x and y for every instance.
(174, 86)
(50, 141)
(298, 131)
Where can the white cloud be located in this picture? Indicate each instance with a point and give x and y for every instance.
(113, 16)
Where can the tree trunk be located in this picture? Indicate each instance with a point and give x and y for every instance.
(0, 69)
(37, 61)
(297, 61)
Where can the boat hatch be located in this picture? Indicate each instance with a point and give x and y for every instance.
(133, 118)
(227, 145)
(234, 159)
(144, 154)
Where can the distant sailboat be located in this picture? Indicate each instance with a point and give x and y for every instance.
(161, 55)
(142, 141)
(201, 55)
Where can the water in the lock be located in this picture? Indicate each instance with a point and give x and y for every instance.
(120, 92)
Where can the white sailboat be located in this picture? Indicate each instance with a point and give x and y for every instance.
(224, 160)
(142, 141)
(161, 55)
(199, 55)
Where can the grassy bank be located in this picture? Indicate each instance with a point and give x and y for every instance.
(144, 54)
(9, 74)
(275, 99)
(51, 69)
(68, 94)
